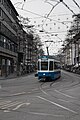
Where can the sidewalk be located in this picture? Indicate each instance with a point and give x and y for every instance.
(14, 75)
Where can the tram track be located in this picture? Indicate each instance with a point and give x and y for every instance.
(53, 92)
(60, 89)
(74, 81)
(55, 100)
(58, 84)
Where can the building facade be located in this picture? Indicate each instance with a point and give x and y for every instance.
(72, 52)
(8, 38)
(18, 49)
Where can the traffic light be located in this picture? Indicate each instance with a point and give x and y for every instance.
(61, 0)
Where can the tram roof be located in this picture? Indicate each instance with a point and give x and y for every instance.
(47, 57)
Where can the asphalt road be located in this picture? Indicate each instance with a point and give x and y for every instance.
(26, 98)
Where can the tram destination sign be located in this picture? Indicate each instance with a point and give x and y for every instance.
(43, 57)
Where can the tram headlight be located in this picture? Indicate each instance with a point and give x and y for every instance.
(44, 74)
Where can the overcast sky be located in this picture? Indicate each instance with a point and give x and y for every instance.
(58, 23)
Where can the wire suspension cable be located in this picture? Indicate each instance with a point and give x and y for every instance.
(48, 3)
(76, 4)
(50, 12)
(17, 3)
(68, 7)
(40, 15)
(52, 9)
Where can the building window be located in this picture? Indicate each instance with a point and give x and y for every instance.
(7, 44)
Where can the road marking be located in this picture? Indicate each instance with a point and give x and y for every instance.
(4, 102)
(35, 89)
(21, 105)
(65, 108)
(10, 105)
(43, 91)
(64, 94)
(6, 111)
(45, 114)
(29, 92)
(18, 94)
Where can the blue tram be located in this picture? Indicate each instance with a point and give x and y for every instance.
(48, 68)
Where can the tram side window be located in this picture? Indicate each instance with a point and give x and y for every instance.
(44, 65)
(56, 65)
(51, 65)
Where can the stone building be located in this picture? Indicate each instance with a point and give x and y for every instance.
(18, 49)
(8, 38)
(71, 50)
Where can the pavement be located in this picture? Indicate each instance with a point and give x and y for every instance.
(9, 76)
(14, 75)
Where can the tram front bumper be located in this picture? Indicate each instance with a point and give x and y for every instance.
(44, 75)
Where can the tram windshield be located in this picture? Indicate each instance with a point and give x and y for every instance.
(44, 65)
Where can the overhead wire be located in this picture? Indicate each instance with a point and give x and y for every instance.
(54, 23)
(40, 15)
(17, 3)
(23, 4)
(76, 3)
(47, 17)
(68, 7)
(50, 12)
(52, 16)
